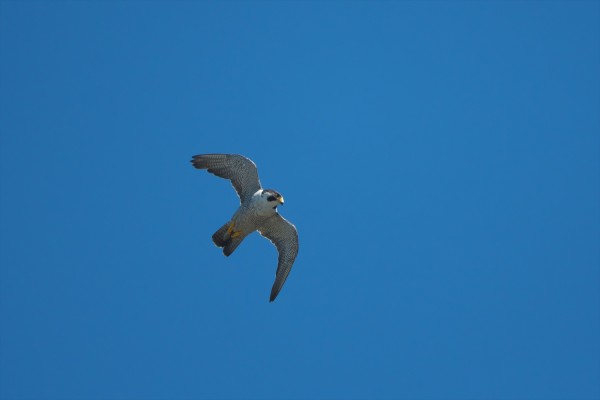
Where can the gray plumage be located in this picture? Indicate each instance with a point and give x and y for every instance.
(240, 170)
(257, 211)
(285, 237)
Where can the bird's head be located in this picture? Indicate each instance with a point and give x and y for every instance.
(273, 197)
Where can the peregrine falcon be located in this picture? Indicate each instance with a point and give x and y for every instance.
(257, 211)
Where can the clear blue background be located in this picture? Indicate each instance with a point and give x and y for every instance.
(440, 160)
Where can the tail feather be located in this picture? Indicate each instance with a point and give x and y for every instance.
(232, 244)
(221, 238)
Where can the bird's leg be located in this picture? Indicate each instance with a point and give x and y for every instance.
(230, 229)
(232, 232)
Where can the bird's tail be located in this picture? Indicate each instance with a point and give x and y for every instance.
(223, 238)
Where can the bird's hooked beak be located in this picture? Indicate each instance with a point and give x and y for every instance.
(280, 200)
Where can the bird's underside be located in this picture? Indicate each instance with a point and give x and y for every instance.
(257, 211)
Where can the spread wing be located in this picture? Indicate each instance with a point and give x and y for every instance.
(240, 170)
(285, 237)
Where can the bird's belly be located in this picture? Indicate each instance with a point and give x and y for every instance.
(251, 218)
(246, 221)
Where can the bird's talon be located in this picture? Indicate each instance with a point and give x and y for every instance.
(230, 229)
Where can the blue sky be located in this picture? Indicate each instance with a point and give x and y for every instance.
(440, 160)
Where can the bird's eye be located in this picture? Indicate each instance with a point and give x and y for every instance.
(271, 198)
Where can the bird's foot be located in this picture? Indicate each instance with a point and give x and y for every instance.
(230, 228)
(232, 232)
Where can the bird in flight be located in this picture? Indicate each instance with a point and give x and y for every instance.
(257, 211)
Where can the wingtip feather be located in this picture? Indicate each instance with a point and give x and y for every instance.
(198, 162)
(274, 293)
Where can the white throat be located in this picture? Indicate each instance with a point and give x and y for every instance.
(262, 206)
